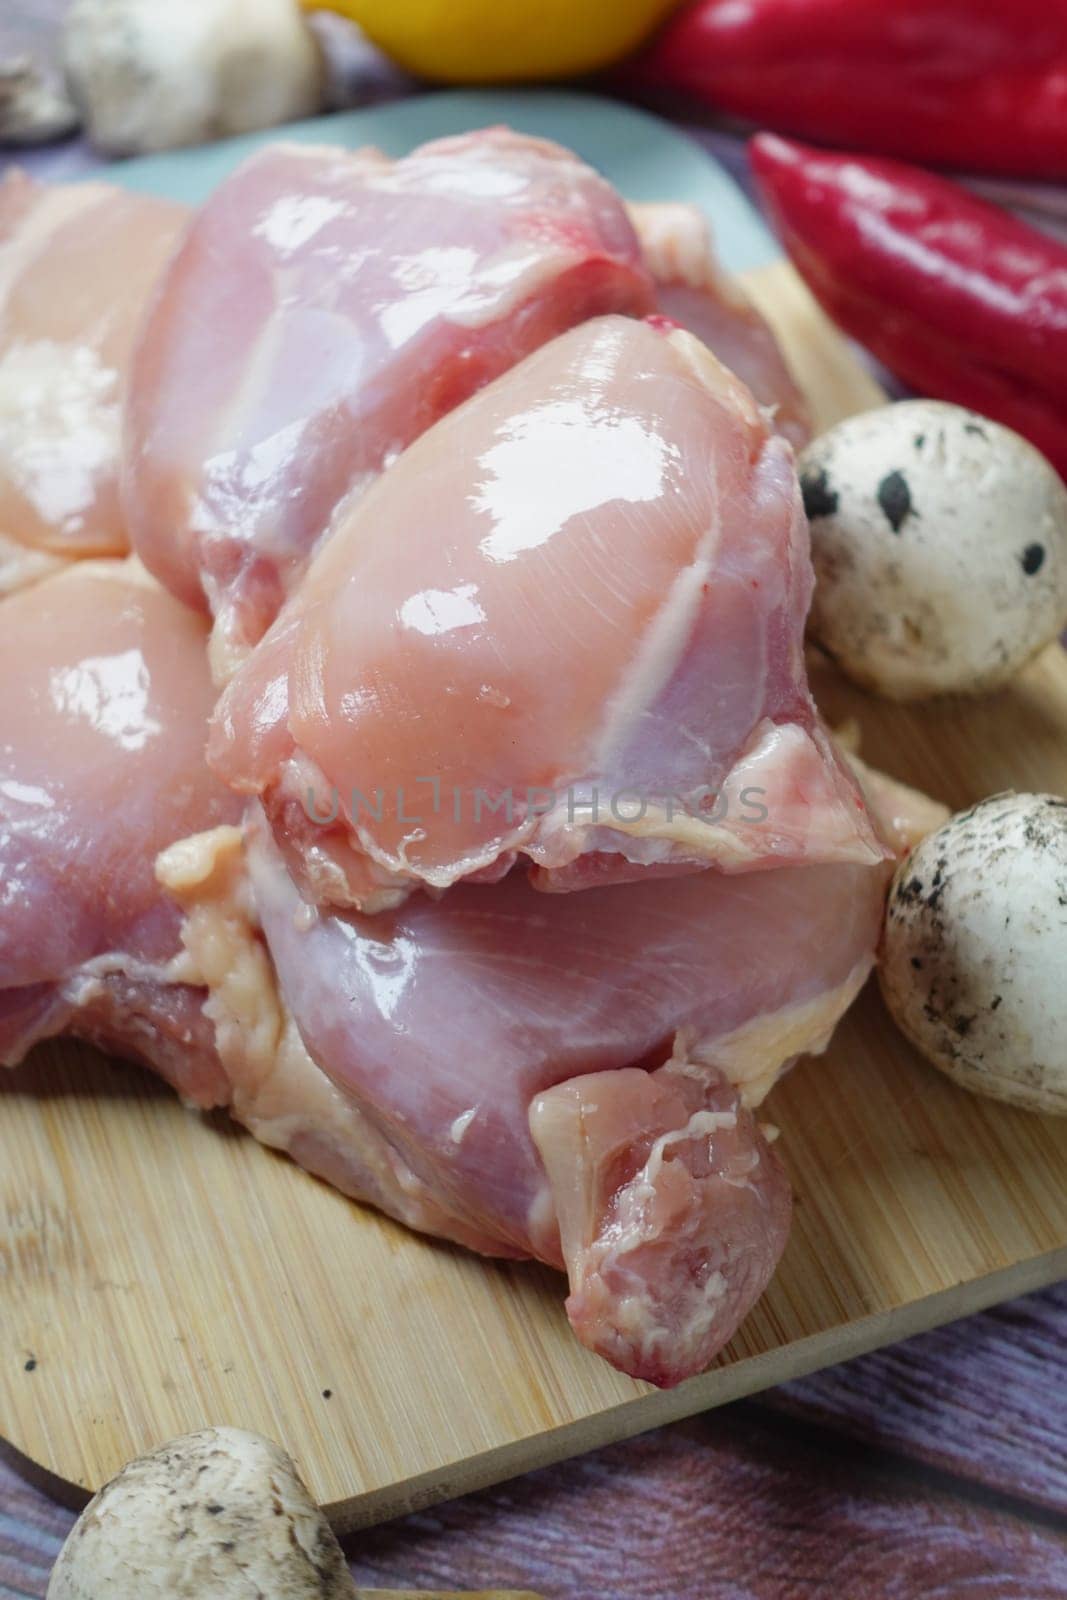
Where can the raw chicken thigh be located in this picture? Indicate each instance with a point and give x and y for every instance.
(496, 1067)
(102, 730)
(693, 290)
(327, 307)
(569, 1077)
(77, 263)
(106, 696)
(556, 646)
(567, 623)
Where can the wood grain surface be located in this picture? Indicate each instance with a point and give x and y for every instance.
(160, 1271)
(934, 1467)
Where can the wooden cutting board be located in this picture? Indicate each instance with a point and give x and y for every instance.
(160, 1271)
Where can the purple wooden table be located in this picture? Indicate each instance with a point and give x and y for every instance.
(935, 1468)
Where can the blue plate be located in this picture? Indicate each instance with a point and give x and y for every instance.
(642, 156)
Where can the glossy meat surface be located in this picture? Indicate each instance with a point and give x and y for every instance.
(326, 307)
(102, 729)
(77, 264)
(567, 1076)
(567, 623)
(694, 291)
(102, 720)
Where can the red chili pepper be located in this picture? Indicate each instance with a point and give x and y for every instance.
(955, 296)
(976, 84)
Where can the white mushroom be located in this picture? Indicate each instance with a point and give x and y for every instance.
(153, 74)
(974, 966)
(217, 1515)
(940, 547)
(220, 1513)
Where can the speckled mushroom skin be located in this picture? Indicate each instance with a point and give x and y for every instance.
(974, 967)
(210, 1516)
(939, 541)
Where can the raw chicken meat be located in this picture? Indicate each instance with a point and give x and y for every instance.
(101, 764)
(588, 581)
(568, 622)
(77, 263)
(496, 1068)
(276, 1089)
(326, 307)
(568, 1077)
(693, 290)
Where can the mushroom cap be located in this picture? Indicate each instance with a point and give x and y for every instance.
(220, 1513)
(973, 960)
(939, 541)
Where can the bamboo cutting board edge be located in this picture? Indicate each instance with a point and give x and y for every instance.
(735, 1381)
